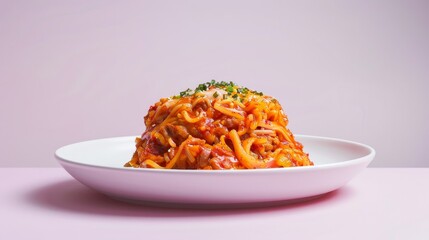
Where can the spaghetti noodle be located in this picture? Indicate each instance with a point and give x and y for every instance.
(218, 125)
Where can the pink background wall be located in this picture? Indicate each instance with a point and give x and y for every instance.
(78, 70)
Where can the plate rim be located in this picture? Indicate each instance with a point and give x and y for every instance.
(366, 158)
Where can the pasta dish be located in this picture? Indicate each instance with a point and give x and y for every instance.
(218, 125)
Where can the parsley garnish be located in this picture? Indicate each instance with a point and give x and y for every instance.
(187, 92)
(232, 90)
(201, 87)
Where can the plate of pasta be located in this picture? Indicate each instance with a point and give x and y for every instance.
(218, 144)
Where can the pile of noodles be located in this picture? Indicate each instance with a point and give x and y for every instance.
(217, 126)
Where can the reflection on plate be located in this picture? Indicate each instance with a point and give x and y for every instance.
(99, 165)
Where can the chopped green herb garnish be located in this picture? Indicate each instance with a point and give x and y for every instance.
(187, 92)
(232, 90)
(257, 93)
(201, 87)
(243, 90)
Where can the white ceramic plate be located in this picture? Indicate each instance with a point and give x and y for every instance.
(99, 165)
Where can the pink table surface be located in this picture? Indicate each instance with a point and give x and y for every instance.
(380, 203)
